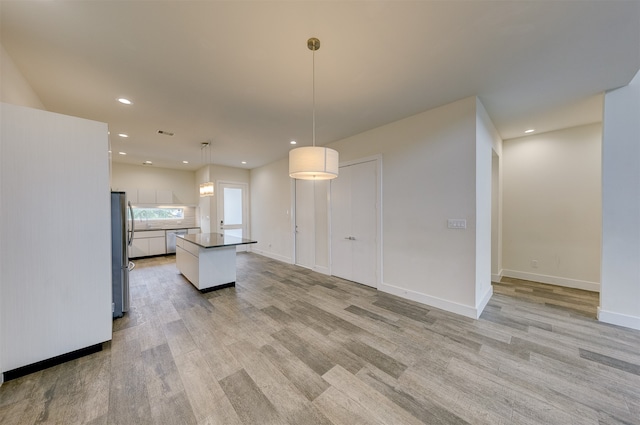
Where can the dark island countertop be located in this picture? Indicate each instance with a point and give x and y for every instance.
(215, 240)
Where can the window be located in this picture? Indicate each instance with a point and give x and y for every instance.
(168, 213)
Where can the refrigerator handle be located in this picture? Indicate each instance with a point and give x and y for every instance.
(133, 226)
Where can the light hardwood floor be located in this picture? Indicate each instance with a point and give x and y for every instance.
(289, 346)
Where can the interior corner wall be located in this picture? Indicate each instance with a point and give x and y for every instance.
(14, 88)
(428, 169)
(496, 218)
(620, 294)
(552, 207)
(488, 141)
(271, 201)
(429, 176)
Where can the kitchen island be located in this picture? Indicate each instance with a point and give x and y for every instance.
(208, 260)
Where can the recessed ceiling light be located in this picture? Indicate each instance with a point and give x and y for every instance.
(531, 130)
(122, 153)
(123, 135)
(125, 101)
(185, 162)
(293, 142)
(244, 162)
(148, 162)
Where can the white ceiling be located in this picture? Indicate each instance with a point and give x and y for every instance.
(239, 73)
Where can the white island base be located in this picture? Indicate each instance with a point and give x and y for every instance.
(208, 260)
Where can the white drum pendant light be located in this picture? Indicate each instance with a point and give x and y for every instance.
(313, 162)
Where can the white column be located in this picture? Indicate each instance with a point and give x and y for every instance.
(620, 281)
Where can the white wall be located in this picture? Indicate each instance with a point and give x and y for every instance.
(488, 141)
(496, 218)
(14, 88)
(620, 295)
(322, 215)
(181, 183)
(429, 175)
(552, 207)
(271, 201)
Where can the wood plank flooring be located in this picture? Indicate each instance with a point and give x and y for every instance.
(290, 346)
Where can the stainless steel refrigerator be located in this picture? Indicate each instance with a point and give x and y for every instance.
(122, 229)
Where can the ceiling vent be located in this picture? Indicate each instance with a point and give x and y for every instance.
(166, 133)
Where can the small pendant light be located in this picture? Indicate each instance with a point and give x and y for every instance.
(206, 189)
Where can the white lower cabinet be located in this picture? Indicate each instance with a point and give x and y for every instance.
(157, 245)
(188, 265)
(148, 243)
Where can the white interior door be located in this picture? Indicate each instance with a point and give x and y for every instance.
(354, 223)
(304, 227)
(233, 210)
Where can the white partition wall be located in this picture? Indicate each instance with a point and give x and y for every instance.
(620, 293)
(55, 268)
(436, 166)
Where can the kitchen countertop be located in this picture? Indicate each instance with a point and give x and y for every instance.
(149, 229)
(215, 240)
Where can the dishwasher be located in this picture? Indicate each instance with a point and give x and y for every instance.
(171, 239)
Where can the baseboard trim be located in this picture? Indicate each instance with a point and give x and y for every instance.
(497, 277)
(452, 307)
(322, 269)
(553, 280)
(484, 301)
(272, 256)
(619, 319)
(54, 361)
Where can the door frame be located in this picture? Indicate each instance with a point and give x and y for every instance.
(246, 210)
(295, 226)
(379, 239)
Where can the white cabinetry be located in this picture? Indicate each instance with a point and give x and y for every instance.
(206, 268)
(146, 243)
(132, 195)
(152, 197)
(164, 197)
(54, 301)
(187, 261)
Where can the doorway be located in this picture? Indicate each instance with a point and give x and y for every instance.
(304, 223)
(233, 210)
(355, 222)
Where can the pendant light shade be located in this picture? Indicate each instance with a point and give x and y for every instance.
(313, 162)
(206, 189)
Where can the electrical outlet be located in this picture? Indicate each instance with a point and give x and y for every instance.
(534, 264)
(454, 223)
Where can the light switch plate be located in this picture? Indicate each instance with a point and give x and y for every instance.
(456, 223)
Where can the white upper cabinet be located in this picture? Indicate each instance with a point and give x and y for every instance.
(132, 195)
(146, 196)
(164, 197)
(150, 196)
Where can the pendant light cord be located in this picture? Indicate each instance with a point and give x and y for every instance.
(314, 96)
